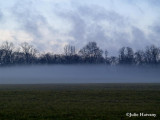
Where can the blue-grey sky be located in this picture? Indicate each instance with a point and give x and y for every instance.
(51, 24)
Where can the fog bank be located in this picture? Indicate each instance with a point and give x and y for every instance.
(79, 74)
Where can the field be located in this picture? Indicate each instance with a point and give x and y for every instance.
(79, 101)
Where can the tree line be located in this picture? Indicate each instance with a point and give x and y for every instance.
(89, 54)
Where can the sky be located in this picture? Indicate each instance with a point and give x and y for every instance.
(49, 25)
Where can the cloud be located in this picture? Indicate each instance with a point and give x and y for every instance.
(1, 15)
(50, 25)
(108, 28)
(78, 24)
(98, 14)
(35, 24)
(154, 34)
(156, 29)
(14, 36)
(29, 19)
(154, 2)
(94, 23)
(139, 38)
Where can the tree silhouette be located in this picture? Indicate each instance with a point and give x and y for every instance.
(152, 54)
(126, 55)
(69, 50)
(6, 53)
(29, 52)
(139, 57)
(89, 54)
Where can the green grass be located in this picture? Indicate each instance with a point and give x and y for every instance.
(79, 101)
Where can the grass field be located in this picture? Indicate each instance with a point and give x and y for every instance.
(79, 101)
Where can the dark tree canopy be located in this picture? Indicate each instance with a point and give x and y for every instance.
(152, 54)
(69, 50)
(139, 57)
(89, 54)
(91, 50)
(29, 52)
(126, 55)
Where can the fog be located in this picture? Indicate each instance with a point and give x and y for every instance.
(79, 74)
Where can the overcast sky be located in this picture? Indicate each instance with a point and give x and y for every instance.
(51, 24)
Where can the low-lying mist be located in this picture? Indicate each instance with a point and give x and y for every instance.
(79, 74)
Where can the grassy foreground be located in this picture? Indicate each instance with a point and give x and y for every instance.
(79, 101)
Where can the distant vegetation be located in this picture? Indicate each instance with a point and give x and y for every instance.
(89, 54)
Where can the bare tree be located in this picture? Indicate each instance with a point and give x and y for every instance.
(6, 53)
(107, 59)
(29, 52)
(91, 50)
(139, 57)
(69, 50)
(152, 54)
(91, 53)
(126, 55)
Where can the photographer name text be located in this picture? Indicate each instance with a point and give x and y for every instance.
(141, 115)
